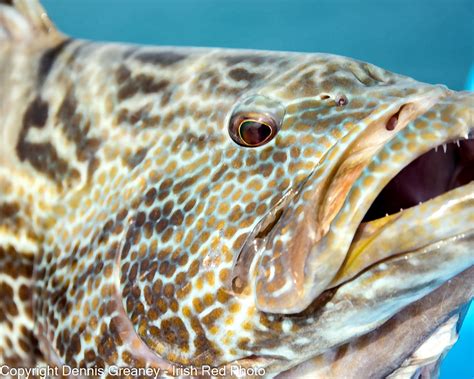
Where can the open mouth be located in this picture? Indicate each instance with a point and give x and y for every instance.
(432, 174)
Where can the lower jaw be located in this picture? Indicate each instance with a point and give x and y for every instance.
(371, 355)
(436, 220)
(375, 321)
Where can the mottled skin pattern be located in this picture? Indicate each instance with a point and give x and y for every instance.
(134, 231)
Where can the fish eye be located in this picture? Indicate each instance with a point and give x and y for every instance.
(252, 130)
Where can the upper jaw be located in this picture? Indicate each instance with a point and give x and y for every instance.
(304, 251)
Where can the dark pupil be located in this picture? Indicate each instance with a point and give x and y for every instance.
(254, 133)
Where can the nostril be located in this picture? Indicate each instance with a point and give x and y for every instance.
(393, 120)
(341, 100)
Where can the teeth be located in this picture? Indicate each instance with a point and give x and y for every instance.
(401, 209)
(445, 148)
(457, 143)
(436, 149)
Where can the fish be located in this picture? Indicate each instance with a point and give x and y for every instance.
(194, 212)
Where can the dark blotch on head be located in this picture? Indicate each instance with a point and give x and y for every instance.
(148, 85)
(36, 115)
(44, 158)
(162, 58)
(48, 59)
(132, 85)
(239, 74)
(76, 128)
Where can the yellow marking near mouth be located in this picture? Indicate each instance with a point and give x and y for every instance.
(365, 235)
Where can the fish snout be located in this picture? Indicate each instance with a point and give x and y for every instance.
(307, 244)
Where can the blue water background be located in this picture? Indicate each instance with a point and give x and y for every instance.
(430, 40)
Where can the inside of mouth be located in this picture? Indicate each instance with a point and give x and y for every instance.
(440, 170)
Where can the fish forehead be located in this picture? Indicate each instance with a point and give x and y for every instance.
(179, 96)
(157, 199)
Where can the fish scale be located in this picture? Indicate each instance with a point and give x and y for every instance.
(136, 231)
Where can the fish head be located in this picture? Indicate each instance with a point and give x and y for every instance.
(222, 206)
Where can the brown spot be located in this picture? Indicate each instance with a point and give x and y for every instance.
(140, 219)
(212, 317)
(244, 343)
(90, 356)
(122, 214)
(75, 344)
(24, 293)
(157, 286)
(162, 306)
(135, 159)
(150, 196)
(223, 296)
(155, 214)
(147, 84)
(177, 218)
(161, 225)
(174, 332)
(128, 90)
(279, 157)
(190, 205)
(122, 74)
(168, 290)
(218, 175)
(165, 99)
(106, 348)
(7, 302)
(193, 268)
(8, 210)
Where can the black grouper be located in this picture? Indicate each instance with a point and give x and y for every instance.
(256, 212)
